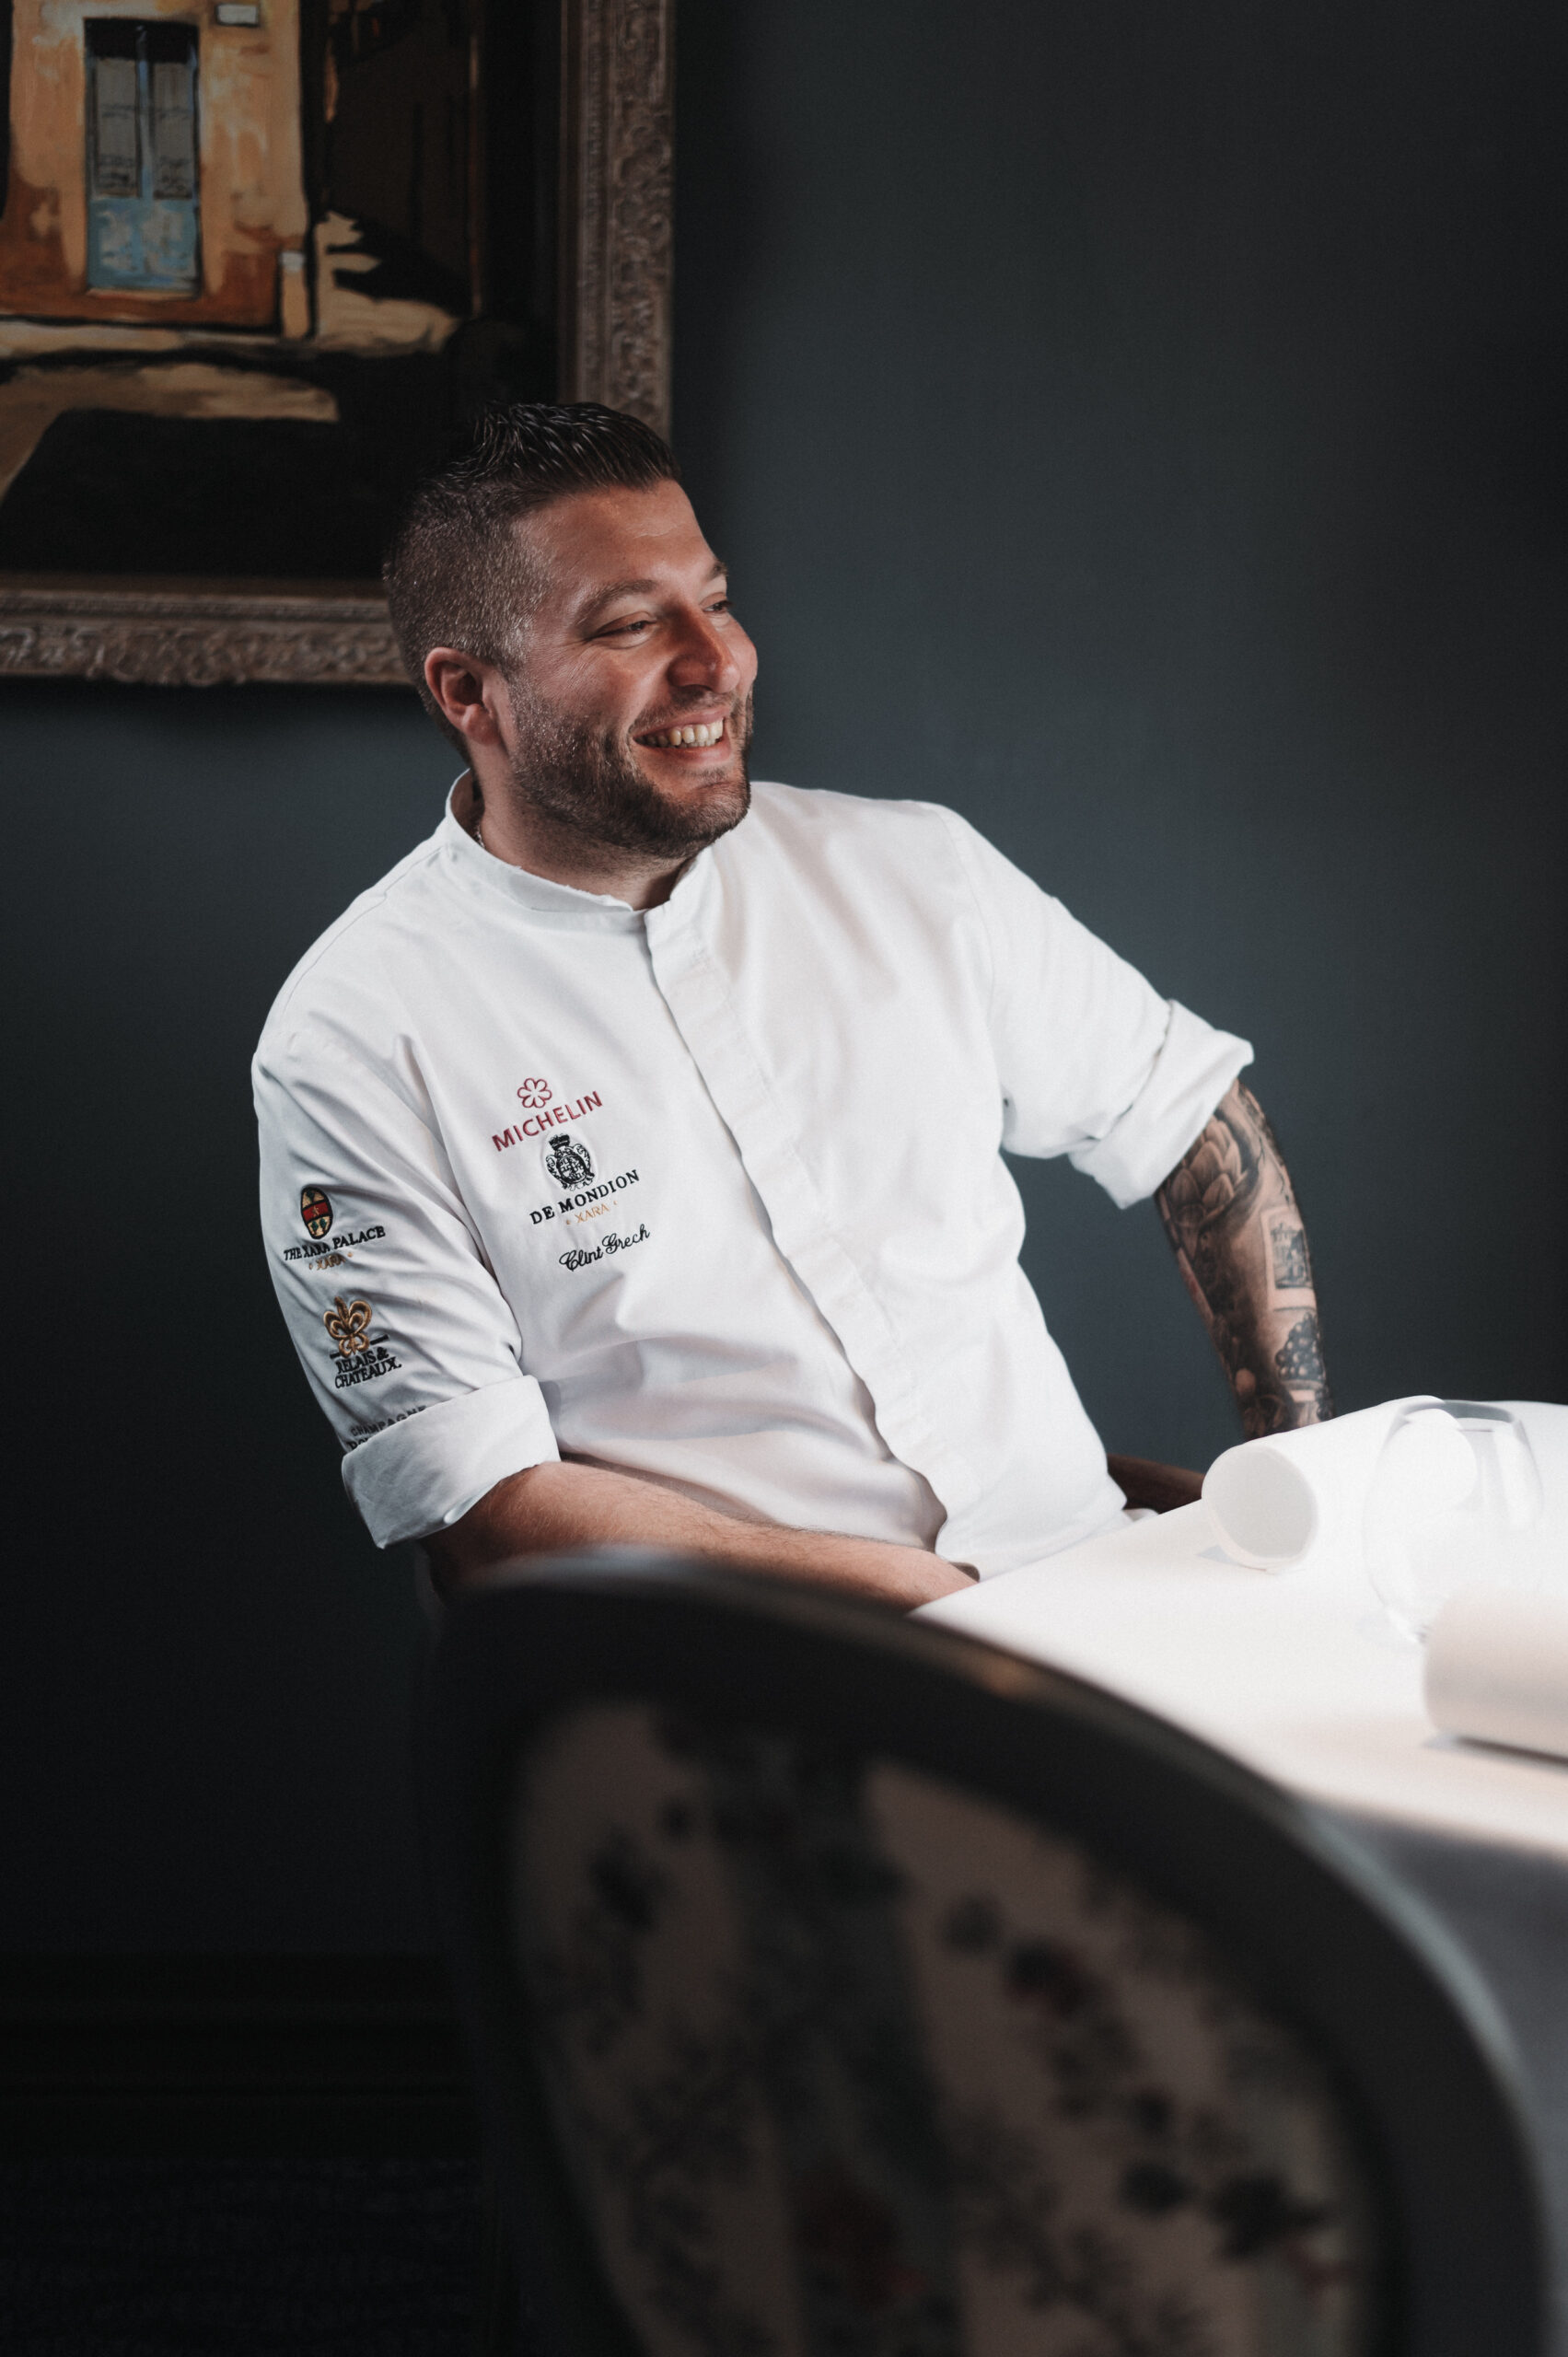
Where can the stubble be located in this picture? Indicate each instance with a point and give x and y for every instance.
(585, 784)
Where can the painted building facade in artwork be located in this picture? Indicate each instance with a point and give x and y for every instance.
(155, 168)
(221, 210)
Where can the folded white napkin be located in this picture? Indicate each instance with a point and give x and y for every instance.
(1276, 1501)
(1497, 1668)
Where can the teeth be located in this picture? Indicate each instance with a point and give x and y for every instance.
(706, 732)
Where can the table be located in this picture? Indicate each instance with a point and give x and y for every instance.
(1296, 1674)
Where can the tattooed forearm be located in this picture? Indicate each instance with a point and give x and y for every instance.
(1231, 1214)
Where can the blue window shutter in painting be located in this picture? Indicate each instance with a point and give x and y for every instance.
(142, 192)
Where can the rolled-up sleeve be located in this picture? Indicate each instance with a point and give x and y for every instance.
(1094, 1063)
(1193, 1068)
(405, 1337)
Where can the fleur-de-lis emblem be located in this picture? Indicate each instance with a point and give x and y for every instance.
(348, 1323)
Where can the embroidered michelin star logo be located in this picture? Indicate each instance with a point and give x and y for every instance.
(545, 1116)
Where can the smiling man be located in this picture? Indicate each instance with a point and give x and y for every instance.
(632, 1154)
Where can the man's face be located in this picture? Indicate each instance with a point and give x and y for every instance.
(632, 698)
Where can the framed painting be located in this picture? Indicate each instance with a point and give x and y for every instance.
(257, 259)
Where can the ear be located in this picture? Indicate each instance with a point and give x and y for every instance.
(468, 693)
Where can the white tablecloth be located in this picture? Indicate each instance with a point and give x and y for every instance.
(1296, 1673)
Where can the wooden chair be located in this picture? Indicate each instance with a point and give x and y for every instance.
(834, 1982)
(1163, 1487)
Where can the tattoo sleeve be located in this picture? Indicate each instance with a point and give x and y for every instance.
(1231, 1214)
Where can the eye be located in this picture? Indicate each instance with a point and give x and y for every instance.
(626, 629)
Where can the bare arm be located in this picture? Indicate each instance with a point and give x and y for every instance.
(1231, 1214)
(549, 1507)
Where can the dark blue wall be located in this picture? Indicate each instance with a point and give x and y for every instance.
(1142, 428)
(207, 1665)
(1134, 427)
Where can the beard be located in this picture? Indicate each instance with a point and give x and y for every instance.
(586, 782)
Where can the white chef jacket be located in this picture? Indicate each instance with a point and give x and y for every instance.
(714, 1192)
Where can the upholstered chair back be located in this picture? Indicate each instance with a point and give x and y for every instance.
(842, 1990)
(846, 2058)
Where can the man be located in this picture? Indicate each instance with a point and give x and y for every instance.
(630, 1161)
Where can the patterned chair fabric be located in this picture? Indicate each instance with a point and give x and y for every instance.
(850, 2062)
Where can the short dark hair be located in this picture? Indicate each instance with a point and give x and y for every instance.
(454, 574)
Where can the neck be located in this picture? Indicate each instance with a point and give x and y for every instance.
(532, 839)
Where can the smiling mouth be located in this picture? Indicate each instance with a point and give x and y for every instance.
(699, 732)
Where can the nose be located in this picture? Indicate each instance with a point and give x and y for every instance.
(707, 657)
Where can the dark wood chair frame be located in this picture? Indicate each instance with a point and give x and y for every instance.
(1404, 2027)
(1163, 1486)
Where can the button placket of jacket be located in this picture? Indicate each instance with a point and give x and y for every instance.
(705, 1014)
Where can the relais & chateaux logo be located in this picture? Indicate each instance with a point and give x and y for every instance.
(361, 1356)
(348, 1323)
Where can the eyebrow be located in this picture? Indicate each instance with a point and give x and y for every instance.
(648, 589)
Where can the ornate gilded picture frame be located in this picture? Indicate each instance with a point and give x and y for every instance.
(257, 257)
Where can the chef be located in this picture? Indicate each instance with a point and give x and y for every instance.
(631, 1152)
